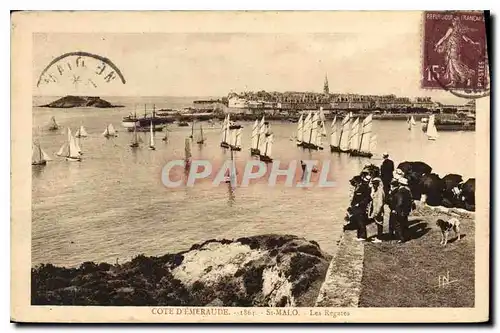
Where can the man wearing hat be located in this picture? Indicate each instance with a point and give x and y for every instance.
(376, 211)
(399, 215)
(386, 170)
(359, 206)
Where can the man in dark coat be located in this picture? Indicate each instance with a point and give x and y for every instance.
(359, 206)
(401, 205)
(386, 171)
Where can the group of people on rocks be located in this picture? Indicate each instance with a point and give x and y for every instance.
(373, 192)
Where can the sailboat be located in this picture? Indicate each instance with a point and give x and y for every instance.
(354, 136)
(201, 139)
(225, 133)
(306, 130)
(69, 149)
(345, 128)
(151, 137)
(412, 120)
(53, 126)
(39, 157)
(364, 148)
(231, 173)
(135, 139)
(300, 126)
(334, 136)
(312, 132)
(165, 138)
(111, 132)
(235, 143)
(81, 132)
(431, 128)
(77, 144)
(254, 148)
(268, 148)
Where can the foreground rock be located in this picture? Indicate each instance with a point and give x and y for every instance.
(80, 101)
(266, 270)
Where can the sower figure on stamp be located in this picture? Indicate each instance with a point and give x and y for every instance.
(359, 206)
(376, 211)
(386, 170)
(456, 70)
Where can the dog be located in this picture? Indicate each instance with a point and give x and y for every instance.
(446, 227)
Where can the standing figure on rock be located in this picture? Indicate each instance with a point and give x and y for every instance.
(376, 211)
(359, 206)
(386, 170)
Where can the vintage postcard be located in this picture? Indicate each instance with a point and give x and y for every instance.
(250, 167)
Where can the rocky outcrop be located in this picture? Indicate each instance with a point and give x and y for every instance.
(265, 270)
(80, 101)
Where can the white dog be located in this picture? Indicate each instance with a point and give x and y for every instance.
(446, 227)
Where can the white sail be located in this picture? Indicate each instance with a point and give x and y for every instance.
(366, 132)
(345, 128)
(319, 139)
(223, 125)
(238, 138)
(300, 125)
(81, 132)
(268, 150)
(36, 154)
(431, 128)
(61, 151)
(73, 148)
(111, 130)
(354, 137)
(306, 128)
(106, 133)
(323, 128)
(151, 135)
(311, 138)
(45, 156)
(223, 132)
(333, 136)
(232, 140)
(53, 123)
(255, 133)
(413, 122)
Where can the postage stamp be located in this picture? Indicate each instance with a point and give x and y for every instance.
(239, 167)
(455, 52)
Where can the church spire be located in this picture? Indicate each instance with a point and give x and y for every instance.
(326, 90)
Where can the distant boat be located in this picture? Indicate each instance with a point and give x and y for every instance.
(39, 157)
(151, 137)
(413, 122)
(53, 126)
(225, 133)
(231, 172)
(432, 133)
(78, 147)
(81, 132)
(110, 131)
(408, 122)
(364, 148)
(266, 155)
(135, 139)
(334, 140)
(69, 149)
(201, 139)
(165, 138)
(182, 124)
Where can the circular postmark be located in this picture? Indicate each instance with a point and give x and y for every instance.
(78, 69)
(455, 53)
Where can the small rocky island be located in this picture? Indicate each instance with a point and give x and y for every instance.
(264, 270)
(80, 102)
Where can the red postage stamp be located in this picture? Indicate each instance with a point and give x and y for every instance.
(454, 55)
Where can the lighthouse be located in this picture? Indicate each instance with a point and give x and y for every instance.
(326, 90)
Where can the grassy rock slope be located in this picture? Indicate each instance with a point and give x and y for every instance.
(265, 270)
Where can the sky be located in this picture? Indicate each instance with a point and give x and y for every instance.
(377, 59)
